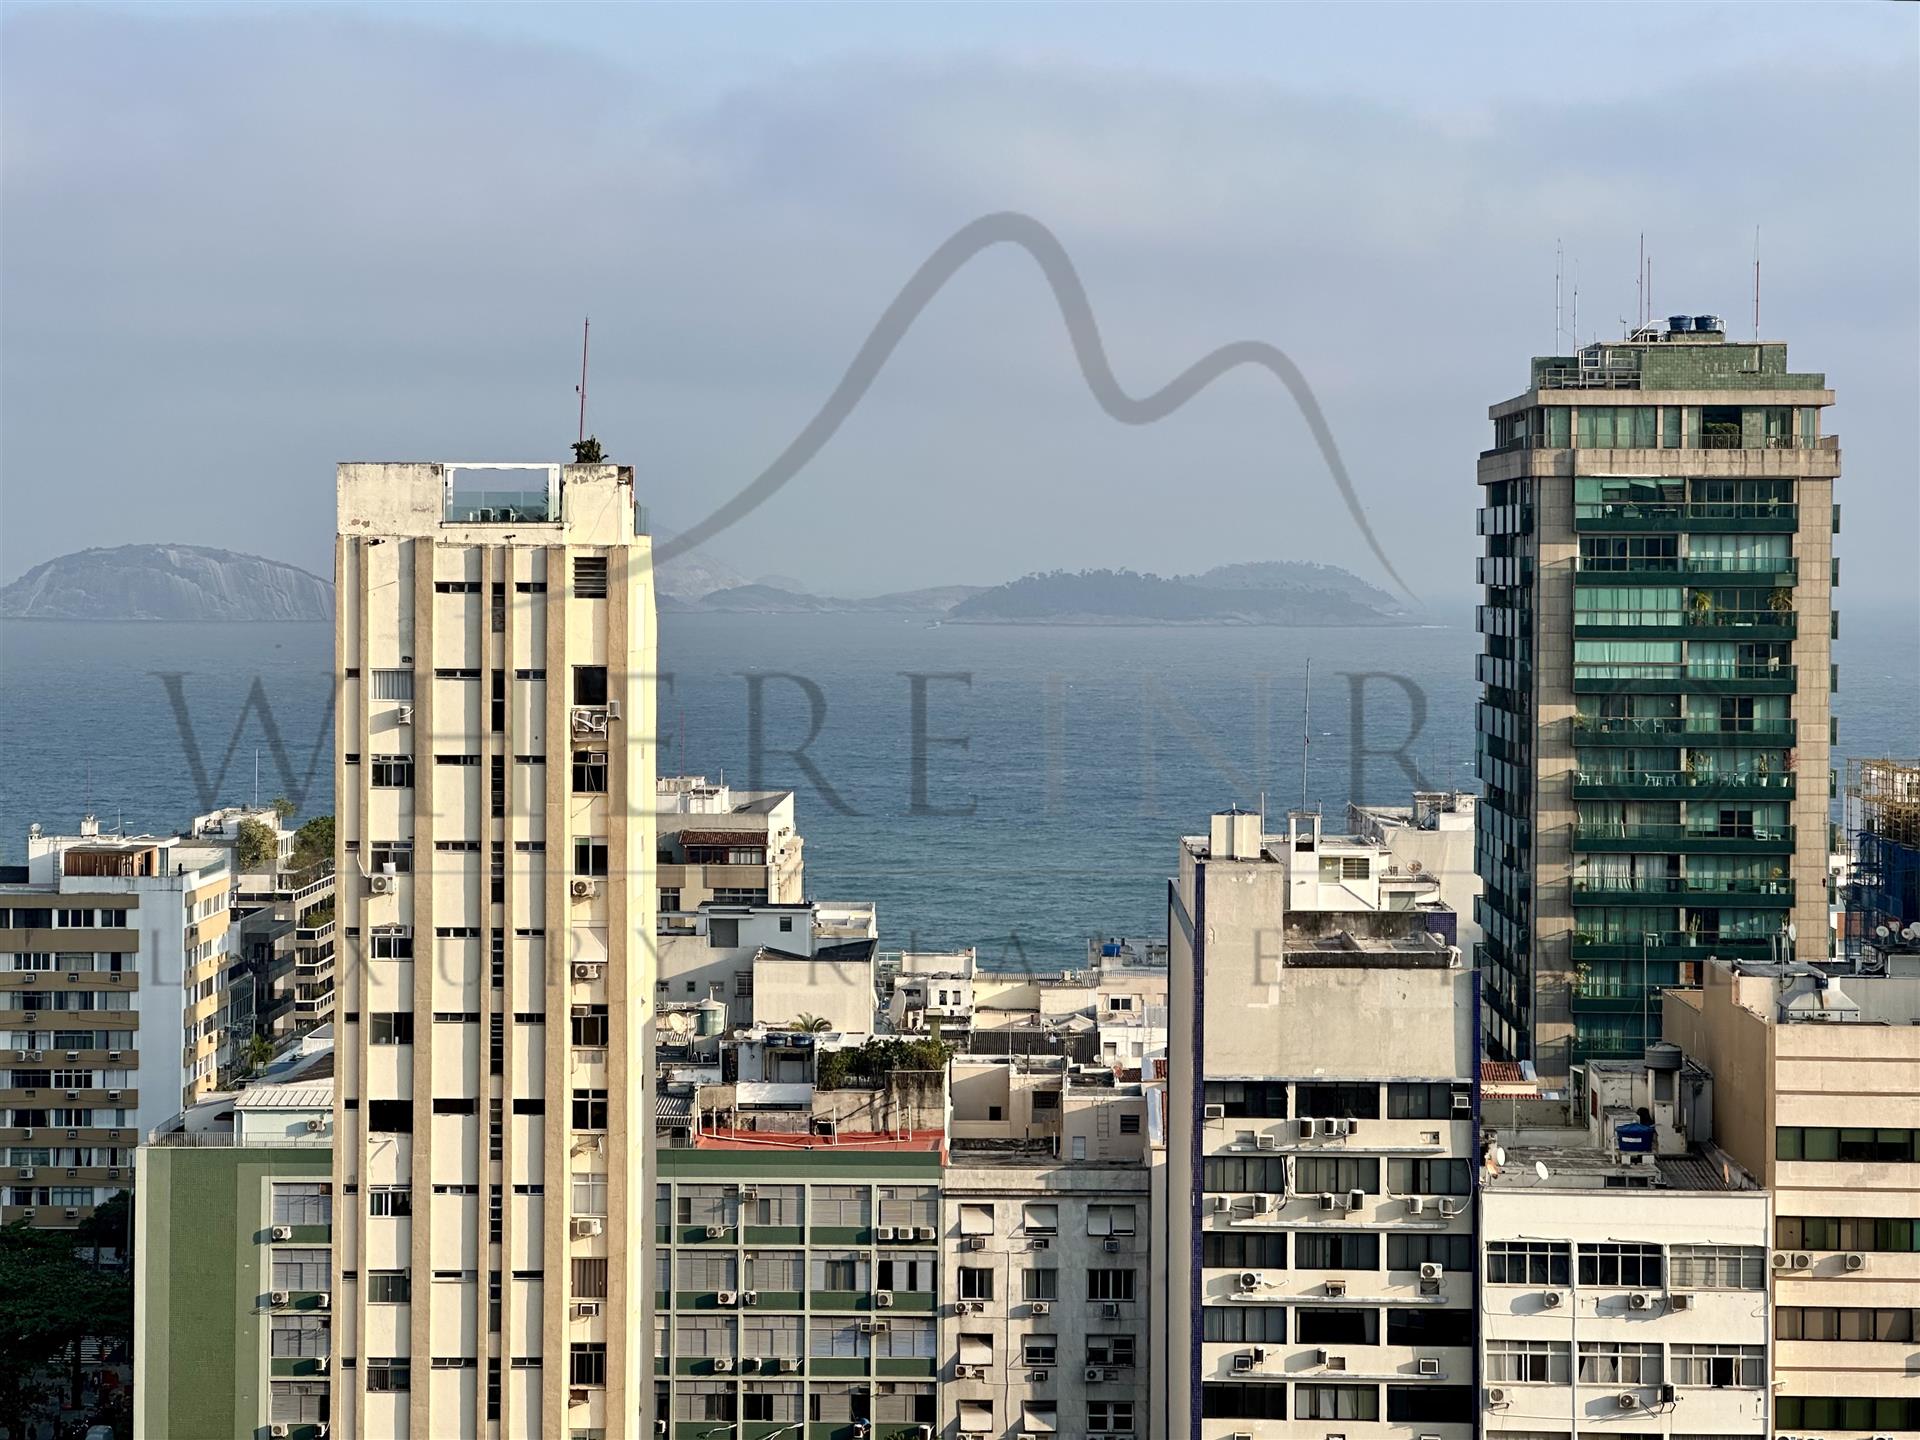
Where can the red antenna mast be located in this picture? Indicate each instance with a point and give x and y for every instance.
(586, 330)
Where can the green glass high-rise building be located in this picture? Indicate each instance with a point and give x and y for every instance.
(1656, 674)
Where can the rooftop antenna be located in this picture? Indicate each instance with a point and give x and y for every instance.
(1576, 303)
(1640, 317)
(586, 330)
(1559, 271)
(1756, 282)
(1306, 730)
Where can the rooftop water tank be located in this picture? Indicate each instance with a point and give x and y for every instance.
(1679, 324)
(1663, 1055)
(1709, 323)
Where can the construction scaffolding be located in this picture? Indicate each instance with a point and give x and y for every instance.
(1882, 818)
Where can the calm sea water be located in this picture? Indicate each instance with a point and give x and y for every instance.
(1056, 768)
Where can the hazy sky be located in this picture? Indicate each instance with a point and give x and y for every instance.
(238, 244)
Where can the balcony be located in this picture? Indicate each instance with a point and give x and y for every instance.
(1730, 517)
(1691, 731)
(1750, 625)
(1698, 677)
(1670, 945)
(1679, 784)
(1665, 569)
(1599, 838)
(1683, 890)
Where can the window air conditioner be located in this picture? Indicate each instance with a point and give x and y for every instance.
(723, 1366)
(1306, 1129)
(1430, 1367)
(923, 1232)
(1111, 1246)
(1416, 1205)
(1040, 1307)
(727, 1297)
(323, 1301)
(1265, 1142)
(1430, 1270)
(1110, 1309)
(585, 1309)
(1335, 1287)
(883, 1232)
(403, 714)
(278, 1297)
(749, 1297)
(882, 1299)
(1214, 1112)
(1679, 1302)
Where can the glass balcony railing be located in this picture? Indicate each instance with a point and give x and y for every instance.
(1687, 515)
(1709, 728)
(1608, 673)
(1664, 837)
(1768, 566)
(1719, 781)
(1681, 885)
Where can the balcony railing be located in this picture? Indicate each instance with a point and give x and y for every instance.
(1672, 945)
(1671, 837)
(1706, 729)
(1778, 623)
(1770, 566)
(1768, 515)
(1719, 782)
(1602, 675)
(1672, 885)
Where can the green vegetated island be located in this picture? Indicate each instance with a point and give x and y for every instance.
(1272, 592)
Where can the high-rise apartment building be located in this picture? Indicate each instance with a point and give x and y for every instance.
(1654, 726)
(495, 802)
(1320, 1144)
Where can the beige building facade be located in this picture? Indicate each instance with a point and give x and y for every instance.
(496, 898)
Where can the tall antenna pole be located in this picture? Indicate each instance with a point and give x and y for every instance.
(1306, 731)
(1641, 280)
(1756, 282)
(586, 329)
(1649, 290)
(1576, 304)
(1559, 312)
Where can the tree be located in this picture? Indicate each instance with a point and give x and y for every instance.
(869, 1063)
(284, 808)
(49, 1303)
(811, 1024)
(258, 847)
(588, 451)
(256, 1054)
(313, 844)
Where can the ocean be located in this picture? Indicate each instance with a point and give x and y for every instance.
(1014, 788)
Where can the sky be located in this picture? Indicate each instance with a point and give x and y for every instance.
(239, 244)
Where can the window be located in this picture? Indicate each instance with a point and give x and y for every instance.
(391, 772)
(298, 1402)
(389, 1200)
(391, 856)
(1337, 1102)
(1110, 1220)
(394, 942)
(302, 1203)
(909, 1205)
(1244, 1174)
(1793, 1322)
(704, 1271)
(1110, 1284)
(590, 1030)
(308, 1270)
(589, 857)
(388, 1374)
(1334, 1174)
(456, 1105)
(589, 1278)
(1718, 1267)
(1429, 1177)
(974, 1219)
(390, 1117)
(589, 684)
(389, 1287)
(1410, 1252)
(1619, 1362)
(1039, 1417)
(1118, 1350)
(841, 1206)
(1336, 1402)
(1522, 1262)
(1818, 1232)
(1248, 1099)
(1723, 1367)
(588, 1363)
(1627, 1267)
(1037, 1218)
(589, 772)
(390, 1027)
(1231, 1324)
(589, 577)
(851, 1270)
(1337, 1250)
(1446, 1404)
(298, 1337)
(1105, 1416)
(1040, 1284)
(1243, 1402)
(1435, 1328)
(1227, 1250)
(393, 684)
(776, 1205)
(976, 1282)
(1430, 1101)
(1846, 1412)
(906, 1339)
(911, 1273)
(837, 1337)
(1883, 1146)
(1529, 1362)
(1337, 1326)
(589, 1109)
(590, 1194)
(976, 1415)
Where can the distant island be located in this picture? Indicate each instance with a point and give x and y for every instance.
(167, 582)
(195, 583)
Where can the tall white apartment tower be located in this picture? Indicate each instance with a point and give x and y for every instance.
(494, 777)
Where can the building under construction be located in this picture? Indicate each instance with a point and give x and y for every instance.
(1883, 889)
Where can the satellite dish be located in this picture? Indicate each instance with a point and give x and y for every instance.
(1499, 1154)
(1793, 933)
(1540, 1169)
(1882, 931)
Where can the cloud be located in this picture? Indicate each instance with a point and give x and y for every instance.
(241, 246)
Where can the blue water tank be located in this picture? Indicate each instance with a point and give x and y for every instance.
(1635, 1139)
(1707, 322)
(1679, 324)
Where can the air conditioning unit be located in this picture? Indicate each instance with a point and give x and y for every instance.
(587, 970)
(1242, 1364)
(1854, 1260)
(1496, 1396)
(114, 1054)
(587, 1226)
(316, 1125)
(382, 884)
(659, 1427)
(1265, 1142)
(323, 1364)
(586, 1309)
(1037, 1377)
(1431, 1270)
(1416, 1205)
(1110, 1309)
(727, 1297)
(589, 719)
(582, 888)
(1329, 1127)
(323, 1301)
(1679, 1302)
(281, 1232)
(1429, 1367)
(1262, 1205)
(1213, 1112)
(1335, 1287)
(1639, 1300)
(1040, 1307)
(723, 1366)
(1627, 1400)
(277, 1429)
(1327, 1202)
(73, 1094)
(969, 1372)
(922, 1232)
(971, 1307)
(1552, 1300)
(883, 1300)
(278, 1297)
(883, 1232)
(27, 1134)
(1802, 1260)
(749, 1297)
(1251, 1280)
(974, 1242)
(1111, 1246)
(1306, 1129)
(716, 1232)
(403, 714)
(787, 1367)
(1218, 1203)
(26, 1174)
(1356, 1199)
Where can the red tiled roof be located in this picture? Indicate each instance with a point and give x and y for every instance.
(711, 1139)
(1501, 1072)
